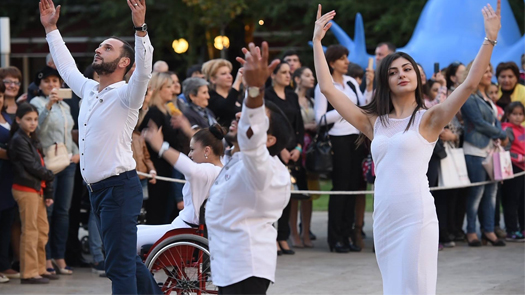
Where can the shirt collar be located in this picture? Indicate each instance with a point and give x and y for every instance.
(109, 87)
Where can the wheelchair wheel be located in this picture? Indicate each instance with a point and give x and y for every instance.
(181, 264)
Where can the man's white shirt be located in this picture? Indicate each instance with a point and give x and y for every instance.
(107, 118)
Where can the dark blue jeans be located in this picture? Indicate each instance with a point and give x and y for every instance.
(116, 203)
(481, 197)
(58, 213)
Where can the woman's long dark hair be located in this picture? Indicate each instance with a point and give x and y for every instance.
(22, 110)
(381, 104)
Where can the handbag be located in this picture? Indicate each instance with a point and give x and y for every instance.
(369, 172)
(502, 164)
(56, 157)
(319, 153)
(453, 168)
(488, 162)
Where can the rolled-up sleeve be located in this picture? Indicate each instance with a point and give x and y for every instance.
(138, 83)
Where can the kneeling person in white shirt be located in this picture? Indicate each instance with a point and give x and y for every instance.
(251, 191)
(206, 149)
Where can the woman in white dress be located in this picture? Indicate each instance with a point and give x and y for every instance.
(206, 149)
(403, 135)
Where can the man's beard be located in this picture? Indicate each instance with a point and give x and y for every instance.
(105, 68)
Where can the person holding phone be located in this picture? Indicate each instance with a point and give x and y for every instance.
(55, 125)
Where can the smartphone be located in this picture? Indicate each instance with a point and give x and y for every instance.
(65, 93)
(436, 67)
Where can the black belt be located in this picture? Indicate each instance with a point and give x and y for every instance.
(111, 181)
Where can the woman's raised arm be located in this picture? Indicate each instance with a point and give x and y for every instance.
(346, 108)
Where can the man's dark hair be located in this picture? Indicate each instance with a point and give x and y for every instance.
(279, 127)
(126, 51)
(289, 53)
(508, 66)
(193, 69)
(355, 70)
(390, 46)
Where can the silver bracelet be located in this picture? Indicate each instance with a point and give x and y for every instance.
(165, 146)
(493, 42)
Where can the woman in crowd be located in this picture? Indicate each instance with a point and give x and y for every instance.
(508, 74)
(403, 136)
(11, 76)
(286, 100)
(33, 191)
(347, 156)
(454, 75)
(54, 126)
(482, 130)
(223, 94)
(513, 190)
(304, 81)
(197, 112)
(157, 206)
(7, 203)
(206, 150)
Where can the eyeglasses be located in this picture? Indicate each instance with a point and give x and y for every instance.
(10, 82)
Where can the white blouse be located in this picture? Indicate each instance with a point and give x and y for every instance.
(341, 126)
(199, 179)
(248, 196)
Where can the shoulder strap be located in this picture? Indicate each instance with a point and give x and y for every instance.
(352, 86)
(65, 123)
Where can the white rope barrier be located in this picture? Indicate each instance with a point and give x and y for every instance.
(348, 192)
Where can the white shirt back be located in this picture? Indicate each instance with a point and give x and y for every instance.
(248, 196)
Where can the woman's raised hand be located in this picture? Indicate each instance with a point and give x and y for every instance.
(322, 23)
(492, 20)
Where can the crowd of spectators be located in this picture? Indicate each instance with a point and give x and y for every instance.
(37, 235)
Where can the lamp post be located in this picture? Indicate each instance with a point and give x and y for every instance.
(5, 42)
(180, 46)
(221, 43)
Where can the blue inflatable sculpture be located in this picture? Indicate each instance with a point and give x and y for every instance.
(447, 31)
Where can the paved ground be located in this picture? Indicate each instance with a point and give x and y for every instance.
(462, 270)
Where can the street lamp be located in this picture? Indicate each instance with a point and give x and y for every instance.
(180, 46)
(221, 42)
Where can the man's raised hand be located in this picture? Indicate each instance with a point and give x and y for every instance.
(138, 12)
(256, 68)
(48, 14)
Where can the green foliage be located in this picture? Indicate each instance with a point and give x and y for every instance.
(384, 20)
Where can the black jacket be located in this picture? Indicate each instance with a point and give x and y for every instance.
(27, 166)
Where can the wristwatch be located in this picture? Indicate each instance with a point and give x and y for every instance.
(142, 28)
(255, 91)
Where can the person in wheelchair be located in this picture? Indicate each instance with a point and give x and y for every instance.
(251, 191)
(206, 149)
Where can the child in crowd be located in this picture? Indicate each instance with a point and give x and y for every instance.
(33, 191)
(513, 190)
(492, 93)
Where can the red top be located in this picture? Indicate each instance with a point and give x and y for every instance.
(30, 189)
(517, 148)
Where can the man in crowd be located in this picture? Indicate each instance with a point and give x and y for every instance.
(160, 66)
(107, 118)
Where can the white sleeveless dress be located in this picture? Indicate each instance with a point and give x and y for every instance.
(405, 220)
